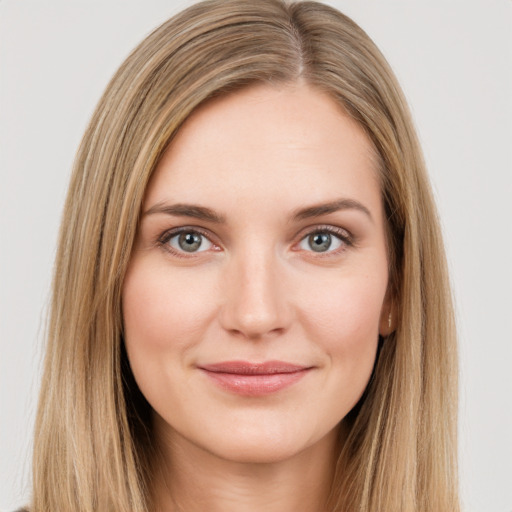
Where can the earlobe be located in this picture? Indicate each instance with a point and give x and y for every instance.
(387, 319)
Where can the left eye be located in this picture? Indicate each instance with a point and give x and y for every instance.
(321, 241)
(189, 241)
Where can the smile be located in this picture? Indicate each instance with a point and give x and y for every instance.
(254, 379)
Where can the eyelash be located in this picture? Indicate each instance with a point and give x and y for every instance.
(341, 234)
(165, 238)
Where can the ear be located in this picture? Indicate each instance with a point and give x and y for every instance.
(388, 316)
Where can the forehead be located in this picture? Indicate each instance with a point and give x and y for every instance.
(264, 140)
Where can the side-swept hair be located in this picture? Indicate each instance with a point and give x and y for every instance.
(93, 436)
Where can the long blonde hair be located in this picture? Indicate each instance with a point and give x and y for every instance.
(93, 431)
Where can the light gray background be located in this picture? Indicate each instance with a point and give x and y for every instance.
(454, 61)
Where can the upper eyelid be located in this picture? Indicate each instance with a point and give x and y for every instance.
(319, 228)
(170, 233)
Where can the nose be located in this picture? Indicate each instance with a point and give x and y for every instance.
(255, 303)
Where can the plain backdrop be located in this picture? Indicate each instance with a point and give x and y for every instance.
(454, 61)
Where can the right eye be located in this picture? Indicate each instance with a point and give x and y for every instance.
(187, 241)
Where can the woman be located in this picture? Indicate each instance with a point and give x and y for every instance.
(251, 308)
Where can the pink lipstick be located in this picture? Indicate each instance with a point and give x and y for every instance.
(254, 379)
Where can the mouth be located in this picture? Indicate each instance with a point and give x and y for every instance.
(254, 379)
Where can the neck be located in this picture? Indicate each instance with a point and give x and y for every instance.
(193, 479)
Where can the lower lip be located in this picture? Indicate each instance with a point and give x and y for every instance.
(256, 385)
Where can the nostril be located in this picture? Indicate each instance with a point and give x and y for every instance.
(255, 319)
(256, 335)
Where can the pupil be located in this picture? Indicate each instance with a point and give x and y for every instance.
(190, 242)
(320, 242)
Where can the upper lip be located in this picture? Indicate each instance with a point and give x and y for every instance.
(248, 368)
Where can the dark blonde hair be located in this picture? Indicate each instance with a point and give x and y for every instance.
(93, 431)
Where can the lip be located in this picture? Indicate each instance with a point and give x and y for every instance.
(254, 379)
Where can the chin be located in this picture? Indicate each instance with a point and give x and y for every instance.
(256, 452)
(265, 445)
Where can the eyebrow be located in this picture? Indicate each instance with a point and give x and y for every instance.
(187, 210)
(207, 214)
(331, 207)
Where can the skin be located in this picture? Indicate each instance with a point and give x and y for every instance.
(257, 291)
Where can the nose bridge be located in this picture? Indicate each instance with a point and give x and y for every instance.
(256, 302)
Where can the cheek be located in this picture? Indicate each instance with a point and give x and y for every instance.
(163, 310)
(343, 319)
(346, 309)
(165, 316)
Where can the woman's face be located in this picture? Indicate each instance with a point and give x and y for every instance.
(257, 287)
